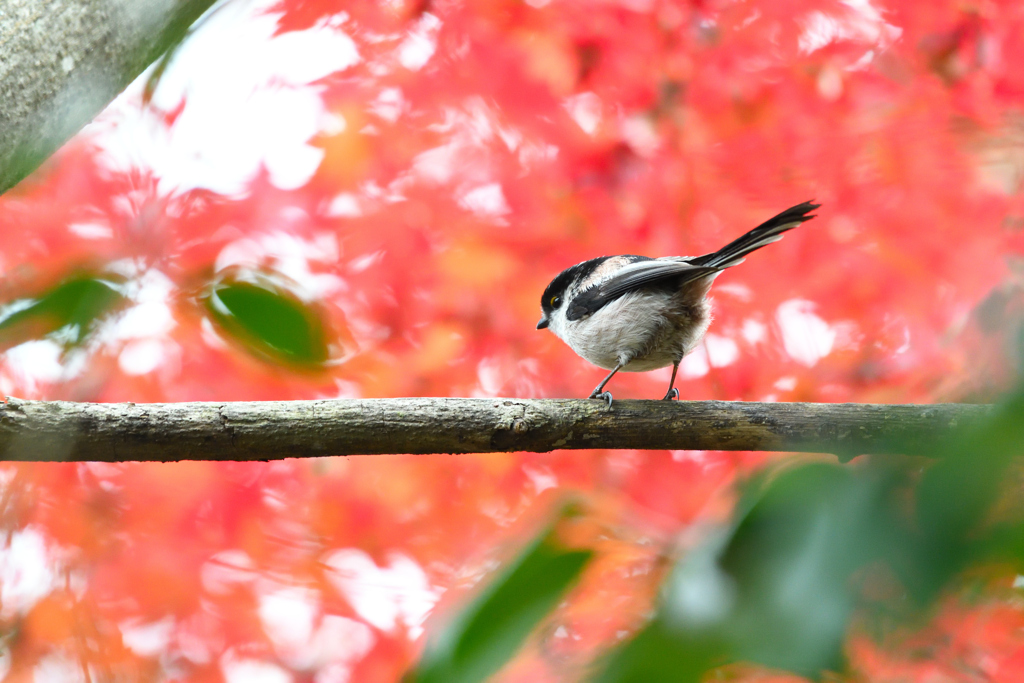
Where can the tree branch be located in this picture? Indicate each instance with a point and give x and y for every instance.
(116, 432)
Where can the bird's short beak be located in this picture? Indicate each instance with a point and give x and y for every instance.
(542, 323)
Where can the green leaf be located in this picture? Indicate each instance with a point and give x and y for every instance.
(791, 558)
(664, 653)
(492, 629)
(779, 587)
(776, 588)
(956, 496)
(71, 308)
(268, 319)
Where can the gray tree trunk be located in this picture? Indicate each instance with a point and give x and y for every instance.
(63, 61)
(112, 432)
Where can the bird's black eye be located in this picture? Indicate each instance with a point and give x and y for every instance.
(556, 301)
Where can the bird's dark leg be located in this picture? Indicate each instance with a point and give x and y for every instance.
(599, 391)
(672, 391)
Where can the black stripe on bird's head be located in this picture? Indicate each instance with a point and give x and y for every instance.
(564, 283)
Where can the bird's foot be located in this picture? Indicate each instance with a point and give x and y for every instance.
(604, 396)
(672, 393)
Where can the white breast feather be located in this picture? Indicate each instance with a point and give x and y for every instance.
(632, 328)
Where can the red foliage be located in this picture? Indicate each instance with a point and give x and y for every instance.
(469, 153)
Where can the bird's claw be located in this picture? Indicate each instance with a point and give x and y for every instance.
(604, 396)
(672, 393)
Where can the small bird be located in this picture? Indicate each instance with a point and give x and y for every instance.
(634, 313)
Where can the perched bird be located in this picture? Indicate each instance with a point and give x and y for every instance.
(634, 313)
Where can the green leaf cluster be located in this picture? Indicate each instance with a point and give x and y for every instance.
(258, 310)
(780, 586)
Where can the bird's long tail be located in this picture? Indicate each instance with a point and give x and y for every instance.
(766, 233)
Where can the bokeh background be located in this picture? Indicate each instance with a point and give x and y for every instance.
(321, 199)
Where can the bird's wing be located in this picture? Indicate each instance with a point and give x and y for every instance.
(639, 275)
(679, 270)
